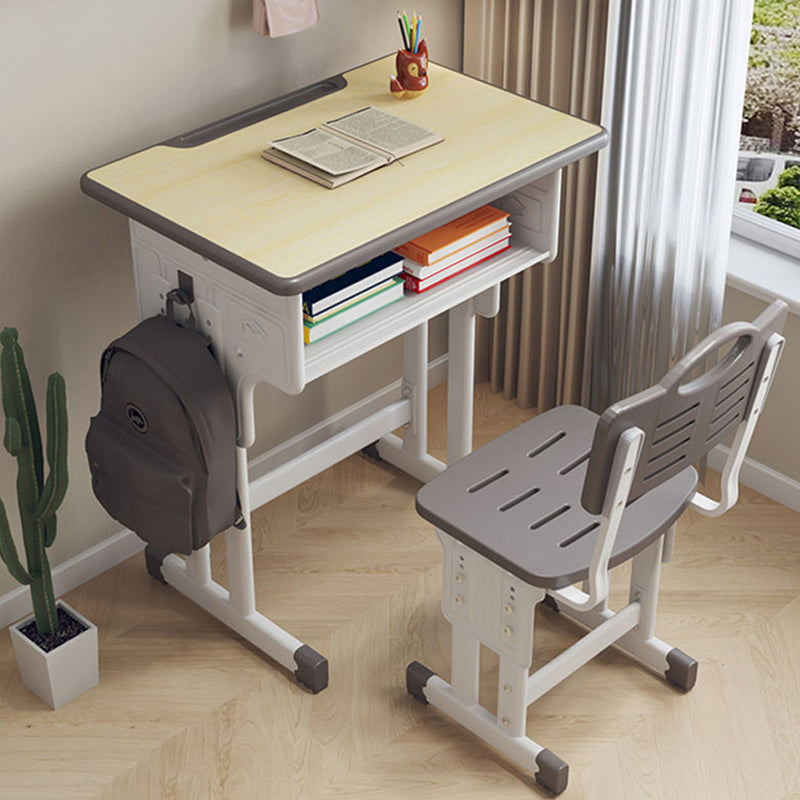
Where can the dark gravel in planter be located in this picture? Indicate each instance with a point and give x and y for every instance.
(68, 628)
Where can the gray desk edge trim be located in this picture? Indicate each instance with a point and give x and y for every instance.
(359, 255)
(270, 108)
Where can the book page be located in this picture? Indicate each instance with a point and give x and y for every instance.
(329, 153)
(384, 131)
(313, 173)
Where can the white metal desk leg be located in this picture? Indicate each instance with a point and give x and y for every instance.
(460, 380)
(411, 452)
(198, 565)
(236, 607)
(415, 387)
(239, 546)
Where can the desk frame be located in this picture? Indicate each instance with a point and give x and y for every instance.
(253, 318)
(158, 262)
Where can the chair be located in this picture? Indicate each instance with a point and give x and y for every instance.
(563, 498)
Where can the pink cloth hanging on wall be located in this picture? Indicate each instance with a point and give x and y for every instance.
(281, 17)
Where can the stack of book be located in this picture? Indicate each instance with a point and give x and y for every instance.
(336, 303)
(449, 250)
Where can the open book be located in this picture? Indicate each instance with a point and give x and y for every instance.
(346, 148)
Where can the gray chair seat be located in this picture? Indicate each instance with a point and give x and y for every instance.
(517, 501)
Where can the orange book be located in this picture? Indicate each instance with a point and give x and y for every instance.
(459, 233)
(417, 285)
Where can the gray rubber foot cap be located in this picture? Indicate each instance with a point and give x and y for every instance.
(153, 561)
(371, 451)
(550, 603)
(682, 669)
(312, 668)
(417, 676)
(553, 773)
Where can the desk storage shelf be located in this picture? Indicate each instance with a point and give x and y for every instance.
(258, 336)
(399, 317)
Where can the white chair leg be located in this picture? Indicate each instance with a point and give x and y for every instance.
(465, 666)
(645, 580)
(512, 686)
(669, 545)
(486, 604)
(676, 666)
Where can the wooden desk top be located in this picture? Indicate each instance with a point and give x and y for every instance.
(286, 233)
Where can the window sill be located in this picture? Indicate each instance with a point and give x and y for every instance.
(762, 272)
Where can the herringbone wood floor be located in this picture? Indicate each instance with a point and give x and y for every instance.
(186, 710)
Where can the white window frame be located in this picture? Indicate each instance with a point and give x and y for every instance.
(766, 231)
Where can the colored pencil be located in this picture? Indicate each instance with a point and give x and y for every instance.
(402, 31)
(408, 29)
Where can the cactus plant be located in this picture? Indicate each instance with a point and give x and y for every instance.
(38, 499)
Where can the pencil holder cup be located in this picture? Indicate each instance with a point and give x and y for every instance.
(412, 72)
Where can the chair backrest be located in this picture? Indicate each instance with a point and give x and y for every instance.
(684, 417)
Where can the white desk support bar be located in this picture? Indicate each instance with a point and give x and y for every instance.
(411, 452)
(292, 473)
(236, 607)
(415, 390)
(461, 369)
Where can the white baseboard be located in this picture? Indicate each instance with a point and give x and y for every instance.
(77, 570)
(97, 559)
(762, 478)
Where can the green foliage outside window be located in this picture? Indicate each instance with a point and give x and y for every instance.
(782, 204)
(776, 13)
(790, 177)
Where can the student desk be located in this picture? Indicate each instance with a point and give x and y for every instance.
(246, 237)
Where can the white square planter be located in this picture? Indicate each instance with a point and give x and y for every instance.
(61, 675)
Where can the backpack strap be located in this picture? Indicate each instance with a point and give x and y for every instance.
(182, 298)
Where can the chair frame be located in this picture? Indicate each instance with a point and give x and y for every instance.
(487, 604)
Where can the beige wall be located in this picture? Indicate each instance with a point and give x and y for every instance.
(87, 81)
(776, 441)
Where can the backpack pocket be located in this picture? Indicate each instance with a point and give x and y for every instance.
(144, 490)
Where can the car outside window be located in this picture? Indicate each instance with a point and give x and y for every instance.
(755, 169)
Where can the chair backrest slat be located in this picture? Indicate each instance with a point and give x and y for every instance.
(684, 417)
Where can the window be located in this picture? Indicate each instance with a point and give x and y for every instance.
(767, 199)
(755, 168)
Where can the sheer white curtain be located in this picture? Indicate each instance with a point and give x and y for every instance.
(672, 102)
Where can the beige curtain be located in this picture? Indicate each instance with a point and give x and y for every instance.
(552, 51)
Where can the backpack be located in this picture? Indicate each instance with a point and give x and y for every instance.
(162, 450)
